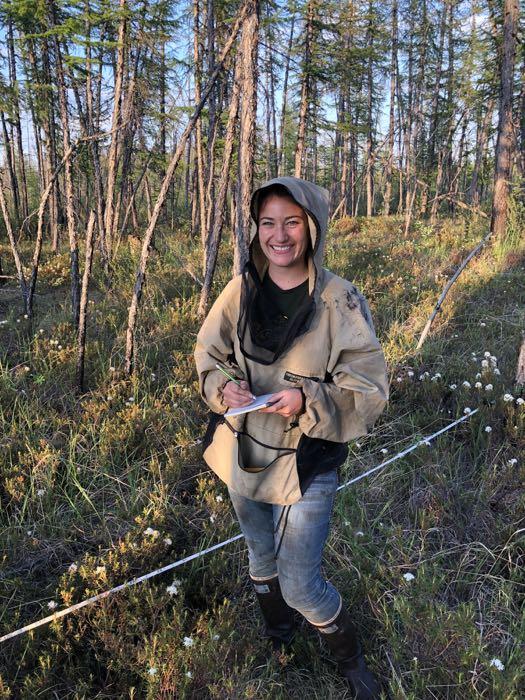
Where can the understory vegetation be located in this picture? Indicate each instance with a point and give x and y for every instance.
(100, 488)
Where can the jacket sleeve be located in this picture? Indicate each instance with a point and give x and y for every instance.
(347, 408)
(215, 344)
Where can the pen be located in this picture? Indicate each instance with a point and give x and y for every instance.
(232, 379)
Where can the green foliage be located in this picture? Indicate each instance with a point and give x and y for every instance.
(102, 488)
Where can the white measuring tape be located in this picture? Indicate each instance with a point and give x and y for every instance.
(202, 552)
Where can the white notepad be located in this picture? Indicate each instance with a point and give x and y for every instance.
(260, 402)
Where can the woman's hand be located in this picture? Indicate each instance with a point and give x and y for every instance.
(286, 403)
(235, 396)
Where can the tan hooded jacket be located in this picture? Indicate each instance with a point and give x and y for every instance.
(340, 344)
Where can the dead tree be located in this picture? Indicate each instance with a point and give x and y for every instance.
(83, 302)
(141, 272)
(213, 241)
(14, 249)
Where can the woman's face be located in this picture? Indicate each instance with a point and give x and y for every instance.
(283, 232)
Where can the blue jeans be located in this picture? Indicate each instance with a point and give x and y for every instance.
(299, 562)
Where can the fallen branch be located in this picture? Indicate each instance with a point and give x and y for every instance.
(449, 284)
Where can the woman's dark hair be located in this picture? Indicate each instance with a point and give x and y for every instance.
(271, 191)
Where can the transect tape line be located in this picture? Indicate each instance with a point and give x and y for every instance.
(202, 552)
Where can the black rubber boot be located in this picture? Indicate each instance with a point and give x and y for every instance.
(278, 615)
(341, 638)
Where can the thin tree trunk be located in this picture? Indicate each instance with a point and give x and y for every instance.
(109, 211)
(213, 241)
(280, 157)
(199, 152)
(248, 111)
(83, 302)
(70, 213)
(16, 120)
(14, 249)
(391, 124)
(481, 142)
(505, 145)
(11, 170)
(305, 92)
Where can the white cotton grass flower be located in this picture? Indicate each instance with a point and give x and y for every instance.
(484, 363)
(408, 576)
(410, 373)
(496, 371)
(486, 353)
(399, 379)
(219, 498)
(52, 605)
(520, 401)
(453, 387)
(478, 385)
(100, 571)
(497, 664)
(188, 674)
(482, 324)
(478, 375)
(359, 533)
(384, 451)
(213, 518)
(152, 671)
(508, 397)
(489, 387)
(152, 532)
(72, 568)
(511, 462)
(467, 410)
(488, 429)
(173, 588)
(188, 641)
(40, 492)
(467, 384)
(167, 541)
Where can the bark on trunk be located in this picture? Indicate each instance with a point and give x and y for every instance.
(248, 110)
(505, 145)
(305, 92)
(83, 302)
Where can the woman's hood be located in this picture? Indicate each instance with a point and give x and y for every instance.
(314, 200)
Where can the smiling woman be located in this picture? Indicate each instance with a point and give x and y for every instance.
(284, 239)
(290, 328)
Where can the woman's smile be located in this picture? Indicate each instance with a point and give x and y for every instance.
(283, 233)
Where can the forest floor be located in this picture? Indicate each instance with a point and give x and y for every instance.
(98, 489)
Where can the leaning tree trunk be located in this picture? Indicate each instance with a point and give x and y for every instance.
(213, 241)
(16, 256)
(141, 272)
(505, 144)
